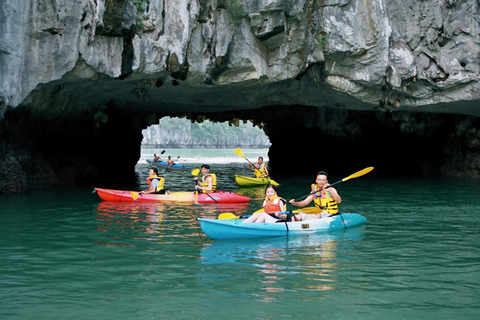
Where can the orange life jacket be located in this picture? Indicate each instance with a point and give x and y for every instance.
(273, 205)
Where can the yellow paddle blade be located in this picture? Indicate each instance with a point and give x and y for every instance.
(358, 174)
(134, 195)
(227, 215)
(309, 210)
(239, 152)
(275, 183)
(195, 172)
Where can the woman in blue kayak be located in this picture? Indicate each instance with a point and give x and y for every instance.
(273, 206)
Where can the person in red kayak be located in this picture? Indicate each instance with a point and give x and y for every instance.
(155, 183)
(209, 180)
(326, 198)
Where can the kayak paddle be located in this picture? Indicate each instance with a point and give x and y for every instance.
(354, 175)
(227, 215)
(195, 172)
(240, 153)
(134, 195)
(230, 215)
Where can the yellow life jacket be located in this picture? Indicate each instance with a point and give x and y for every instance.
(324, 200)
(161, 182)
(260, 172)
(205, 183)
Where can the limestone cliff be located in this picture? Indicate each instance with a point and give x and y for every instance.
(94, 73)
(181, 133)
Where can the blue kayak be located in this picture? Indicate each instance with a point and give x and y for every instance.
(237, 229)
(173, 166)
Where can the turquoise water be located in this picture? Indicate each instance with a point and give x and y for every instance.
(64, 254)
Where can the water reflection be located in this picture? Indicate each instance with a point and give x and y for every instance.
(281, 265)
(124, 222)
(129, 221)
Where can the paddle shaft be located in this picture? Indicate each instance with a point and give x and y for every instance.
(304, 197)
(355, 175)
(196, 195)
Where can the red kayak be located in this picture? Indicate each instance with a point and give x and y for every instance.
(182, 196)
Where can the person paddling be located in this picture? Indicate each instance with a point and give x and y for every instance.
(170, 161)
(261, 170)
(209, 180)
(326, 198)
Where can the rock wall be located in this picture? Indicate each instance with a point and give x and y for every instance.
(96, 72)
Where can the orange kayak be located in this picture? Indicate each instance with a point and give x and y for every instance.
(182, 196)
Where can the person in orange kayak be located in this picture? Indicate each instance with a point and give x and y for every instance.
(326, 198)
(209, 180)
(260, 167)
(273, 206)
(155, 183)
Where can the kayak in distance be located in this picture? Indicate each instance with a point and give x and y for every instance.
(181, 196)
(244, 181)
(164, 165)
(237, 229)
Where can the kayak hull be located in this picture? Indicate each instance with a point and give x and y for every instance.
(183, 196)
(244, 181)
(173, 166)
(237, 229)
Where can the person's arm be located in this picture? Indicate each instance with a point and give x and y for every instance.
(198, 184)
(210, 184)
(154, 187)
(302, 203)
(334, 194)
(207, 188)
(266, 172)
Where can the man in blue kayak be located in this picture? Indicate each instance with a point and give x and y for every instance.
(326, 198)
(156, 158)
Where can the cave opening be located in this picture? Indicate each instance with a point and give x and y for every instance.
(103, 143)
(180, 133)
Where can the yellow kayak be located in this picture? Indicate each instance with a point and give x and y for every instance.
(244, 181)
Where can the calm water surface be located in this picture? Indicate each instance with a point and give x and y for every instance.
(64, 253)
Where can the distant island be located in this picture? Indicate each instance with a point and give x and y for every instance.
(182, 133)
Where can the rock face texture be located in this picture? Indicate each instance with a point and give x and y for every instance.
(80, 80)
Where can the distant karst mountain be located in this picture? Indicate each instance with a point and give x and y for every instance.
(182, 133)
